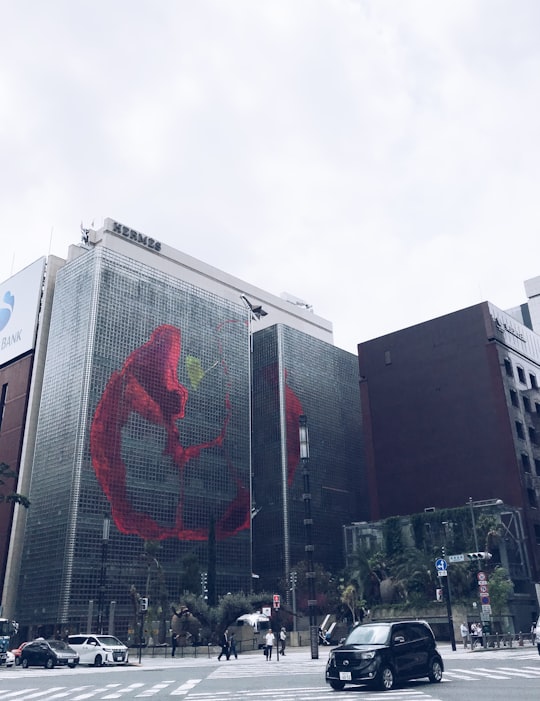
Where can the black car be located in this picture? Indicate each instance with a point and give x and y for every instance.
(48, 654)
(382, 654)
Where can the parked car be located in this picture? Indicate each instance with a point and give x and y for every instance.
(99, 649)
(382, 654)
(17, 652)
(48, 654)
(10, 659)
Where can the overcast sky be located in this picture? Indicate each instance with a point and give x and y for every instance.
(376, 158)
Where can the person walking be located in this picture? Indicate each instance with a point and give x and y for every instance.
(232, 647)
(464, 630)
(174, 643)
(283, 640)
(224, 642)
(270, 640)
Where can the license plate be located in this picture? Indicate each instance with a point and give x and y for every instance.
(71, 660)
(345, 676)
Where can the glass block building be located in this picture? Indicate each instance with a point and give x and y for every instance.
(295, 374)
(144, 419)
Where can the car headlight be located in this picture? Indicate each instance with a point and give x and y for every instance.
(367, 655)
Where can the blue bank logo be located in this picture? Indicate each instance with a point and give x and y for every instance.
(6, 309)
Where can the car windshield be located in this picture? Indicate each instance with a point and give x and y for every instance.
(109, 640)
(58, 645)
(369, 635)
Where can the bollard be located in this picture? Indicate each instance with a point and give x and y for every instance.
(520, 639)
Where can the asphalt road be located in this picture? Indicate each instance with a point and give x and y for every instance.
(491, 675)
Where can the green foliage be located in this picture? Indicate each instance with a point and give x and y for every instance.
(393, 543)
(500, 589)
(326, 588)
(13, 497)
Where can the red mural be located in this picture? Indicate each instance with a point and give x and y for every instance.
(148, 385)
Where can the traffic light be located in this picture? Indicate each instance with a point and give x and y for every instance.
(143, 604)
(479, 556)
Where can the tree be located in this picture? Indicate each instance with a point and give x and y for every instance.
(500, 588)
(14, 497)
(349, 597)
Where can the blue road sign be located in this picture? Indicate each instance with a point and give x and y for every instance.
(441, 565)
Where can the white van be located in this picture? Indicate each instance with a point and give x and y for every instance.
(99, 650)
(249, 630)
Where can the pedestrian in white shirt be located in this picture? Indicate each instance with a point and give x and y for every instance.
(270, 640)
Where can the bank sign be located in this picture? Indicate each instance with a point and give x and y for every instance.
(19, 308)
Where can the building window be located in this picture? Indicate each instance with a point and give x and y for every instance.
(537, 407)
(519, 430)
(537, 466)
(534, 383)
(532, 435)
(527, 404)
(525, 462)
(521, 375)
(508, 367)
(514, 398)
(531, 494)
(537, 533)
(387, 358)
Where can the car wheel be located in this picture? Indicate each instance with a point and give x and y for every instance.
(24, 663)
(72, 666)
(49, 664)
(386, 680)
(98, 661)
(17, 661)
(435, 671)
(337, 686)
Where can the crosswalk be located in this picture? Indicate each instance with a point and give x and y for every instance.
(107, 688)
(170, 688)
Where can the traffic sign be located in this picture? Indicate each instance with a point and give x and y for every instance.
(456, 558)
(441, 565)
(484, 600)
(486, 608)
(481, 576)
(442, 573)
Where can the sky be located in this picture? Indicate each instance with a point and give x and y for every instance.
(378, 159)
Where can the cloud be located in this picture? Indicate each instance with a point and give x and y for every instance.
(374, 157)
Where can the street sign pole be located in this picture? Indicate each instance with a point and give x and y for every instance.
(449, 612)
(442, 571)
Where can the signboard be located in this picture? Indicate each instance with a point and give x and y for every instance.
(456, 558)
(442, 573)
(20, 297)
(267, 611)
(486, 609)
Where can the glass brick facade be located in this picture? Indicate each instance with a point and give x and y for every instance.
(144, 417)
(295, 374)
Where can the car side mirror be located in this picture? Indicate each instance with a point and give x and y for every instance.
(399, 639)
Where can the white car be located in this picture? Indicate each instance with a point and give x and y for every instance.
(99, 650)
(10, 660)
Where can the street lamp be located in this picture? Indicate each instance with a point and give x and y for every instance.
(104, 547)
(308, 523)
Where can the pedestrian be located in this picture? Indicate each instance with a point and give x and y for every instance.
(464, 629)
(232, 647)
(174, 643)
(283, 640)
(225, 649)
(270, 640)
